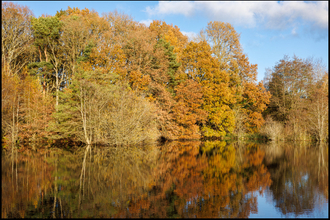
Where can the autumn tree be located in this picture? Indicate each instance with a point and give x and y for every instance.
(254, 101)
(78, 110)
(199, 65)
(11, 93)
(16, 41)
(170, 34)
(16, 37)
(121, 26)
(82, 30)
(94, 110)
(24, 112)
(226, 47)
(48, 65)
(289, 84)
(100, 69)
(188, 109)
(174, 42)
(146, 66)
(35, 112)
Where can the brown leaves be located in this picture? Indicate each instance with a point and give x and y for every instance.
(188, 111)
(255, 98)
(196, 86)
(293, 86)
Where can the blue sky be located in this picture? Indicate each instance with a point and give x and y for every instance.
(269, 30)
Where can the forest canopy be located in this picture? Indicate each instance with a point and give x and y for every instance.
(111, 80)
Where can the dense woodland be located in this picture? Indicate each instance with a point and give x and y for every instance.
(108, 79)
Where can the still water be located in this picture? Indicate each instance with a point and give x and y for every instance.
(178, 179)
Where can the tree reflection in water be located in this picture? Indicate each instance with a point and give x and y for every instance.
(179, 179)
(300, 179)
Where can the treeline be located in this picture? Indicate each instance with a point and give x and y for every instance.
(111, 80)
(299, 106)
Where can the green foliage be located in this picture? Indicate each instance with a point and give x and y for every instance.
(117, 81)
(86, 53)
(44, 29)
(38, 67)
(61, 13)
(83, 89)
(95, 110)
(173, 65)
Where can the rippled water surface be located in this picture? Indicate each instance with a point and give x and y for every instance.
(178, 179)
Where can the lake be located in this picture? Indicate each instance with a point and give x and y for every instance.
(177, 179)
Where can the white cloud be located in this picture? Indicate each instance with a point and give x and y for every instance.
(175, 7)
(272, 15)
(294, 32)
(284, 14)
(190, 34)
(240, 13)
(146, 22)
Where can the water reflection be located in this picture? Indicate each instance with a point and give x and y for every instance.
(179, 179)
(300, 177)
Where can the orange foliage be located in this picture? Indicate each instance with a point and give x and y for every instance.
(188, 112)
(36, 111)
(171, 34)
(200, 66)
(198, 87)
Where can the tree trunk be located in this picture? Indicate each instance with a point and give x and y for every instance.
(83, 115)
(57, 90)
(44, 87)
(45, 51)
(40, 53)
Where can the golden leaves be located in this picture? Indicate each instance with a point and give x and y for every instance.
(196, 85)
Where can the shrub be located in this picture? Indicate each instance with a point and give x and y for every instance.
(272, 129)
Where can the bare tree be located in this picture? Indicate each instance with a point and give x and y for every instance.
(272, 129)
(16, 36)
(318, 107)
(240, 118)
(130, 119)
